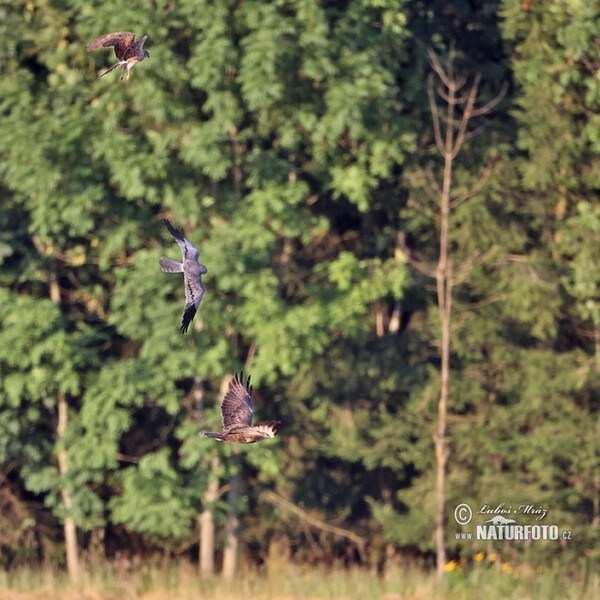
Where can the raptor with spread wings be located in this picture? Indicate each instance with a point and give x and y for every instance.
(236, 410)
(192, 274)
(127, 51)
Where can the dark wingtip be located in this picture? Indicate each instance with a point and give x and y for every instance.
(188, 316)
(174, 232)
(240, 380)
(274, 425)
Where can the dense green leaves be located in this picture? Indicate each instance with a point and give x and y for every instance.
(292, 143)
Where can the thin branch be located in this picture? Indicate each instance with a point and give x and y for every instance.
(7, 470)
(590, 66)
(435, 114)
(474, 305)
(586, 111)
(471, 263)
(431, 189)
(126, 458)
(277, 500)
(435, 63)
(311, 539)
(478, 185)
(424, 210)
(516, 258)
(249, 357)
(460, 136)
(461, 100)
(432, 180)
(447, 78)
(473, 133)
(449, 120)
(417, 264)
(431, 193)
(493, 102)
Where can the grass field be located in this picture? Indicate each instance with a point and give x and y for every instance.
(179, 581)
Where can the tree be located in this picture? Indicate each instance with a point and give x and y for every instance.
(293, 144)
(449, 144)
(268, 140)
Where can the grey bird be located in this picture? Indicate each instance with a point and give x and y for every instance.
(237, 414)
(192, 274)
(127, 52)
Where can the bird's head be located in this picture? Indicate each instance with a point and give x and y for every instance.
(146, 54)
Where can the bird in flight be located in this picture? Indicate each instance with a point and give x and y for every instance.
(192, 274)
(128, 52)
(236, 410)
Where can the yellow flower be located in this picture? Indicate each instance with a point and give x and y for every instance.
(492, 557)
(450, 566)
(506, 568)
(479, 556)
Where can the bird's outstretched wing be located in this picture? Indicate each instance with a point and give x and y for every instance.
(170, 266)
(194, 291)
(188, 250)
(121, 41)
(236, 408)
(137, 47)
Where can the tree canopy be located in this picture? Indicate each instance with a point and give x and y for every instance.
(293, 144)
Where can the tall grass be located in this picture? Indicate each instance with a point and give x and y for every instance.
(179, 581)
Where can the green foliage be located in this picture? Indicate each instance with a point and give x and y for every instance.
(154, 501)
(292, 143)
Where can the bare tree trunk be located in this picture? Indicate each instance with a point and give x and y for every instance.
(444, 291)
(232, 529)
(206, 524)
(444, 295)
(69, 525)
(70, 530)
(449, 145)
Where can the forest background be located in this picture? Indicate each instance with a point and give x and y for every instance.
(295, 144)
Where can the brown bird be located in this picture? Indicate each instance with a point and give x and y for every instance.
(128, 52)
(236, 410)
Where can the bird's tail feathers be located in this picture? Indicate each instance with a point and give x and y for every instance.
(170, 266)
(268, 428)
(217, 436)
(119, 64)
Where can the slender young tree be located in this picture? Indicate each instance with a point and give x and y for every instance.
(69, 527)
(206, 525)
(232, 528)
(451, 132)
(72, 550)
